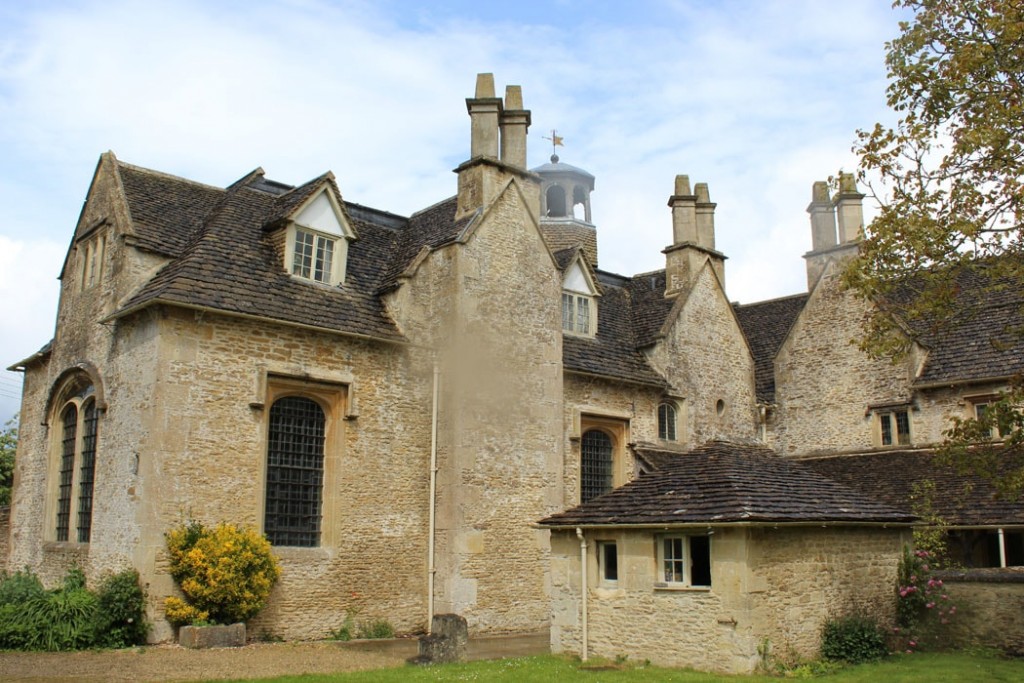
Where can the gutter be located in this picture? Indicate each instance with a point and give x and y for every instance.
(726, 525)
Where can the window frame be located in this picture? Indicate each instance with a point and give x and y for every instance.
(74, 449)
(685, 560)
(587, 492)
(332, 397)
(668, 421)
(979, 405)
(574, 303)
(888, 428)
(607, 550)
(333, 276)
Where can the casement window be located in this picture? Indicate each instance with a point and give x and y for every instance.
(78, 434)
(296, 438)
(596, 455)
(684, 562)
(313, 256)
(981, 408)
(894, 428)
(608, 562)
(576, 317)
(667, 421)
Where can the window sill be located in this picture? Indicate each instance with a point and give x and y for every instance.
(299, 553)
(673, 588)
(53, 546)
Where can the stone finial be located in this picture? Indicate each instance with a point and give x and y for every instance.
(705, 215)
(484, 86)
(849, 209)
(515, 121)
(823, 218)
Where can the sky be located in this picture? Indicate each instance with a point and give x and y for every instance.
(757, 98)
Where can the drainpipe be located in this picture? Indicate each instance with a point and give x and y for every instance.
(431, 569)
(583, 592)
(1002, 549)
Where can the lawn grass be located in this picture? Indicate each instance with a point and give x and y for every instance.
(916, 668)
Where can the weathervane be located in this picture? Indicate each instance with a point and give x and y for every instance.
(556, 141)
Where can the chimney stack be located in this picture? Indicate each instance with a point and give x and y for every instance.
(515, 121)
(693, 234)
(823, 218)
(484, 111)
(849, 210)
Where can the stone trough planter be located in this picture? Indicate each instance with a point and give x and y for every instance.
(201, 637)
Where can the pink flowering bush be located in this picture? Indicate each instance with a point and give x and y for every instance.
(923, 605)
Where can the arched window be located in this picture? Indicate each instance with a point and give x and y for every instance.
(295, 472)
(667, 422)
(556, 201)
(79, 433)
(595, 464)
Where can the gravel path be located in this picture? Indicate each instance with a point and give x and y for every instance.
(173, 663)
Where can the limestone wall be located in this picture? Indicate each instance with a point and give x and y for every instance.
(768, 585)
(706, 361)
(824, 383)
(5, 535)
(990, 610)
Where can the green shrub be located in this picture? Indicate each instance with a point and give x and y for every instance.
(19, 587)
(225, 572)
(121, 611)
(853, 639)
(70, 617)
(379, 628)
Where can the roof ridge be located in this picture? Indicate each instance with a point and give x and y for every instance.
(169, 176)
(785, 297)
(433, 206)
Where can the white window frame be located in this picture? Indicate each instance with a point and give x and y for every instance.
(604, 567)
(335, 275)
(573, 304)
(890, 418)
(681, 546)
(978, 408)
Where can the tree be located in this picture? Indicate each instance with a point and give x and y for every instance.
(8, 444)
(949, 180)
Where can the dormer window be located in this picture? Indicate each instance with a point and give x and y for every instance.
(317, 241)
(579, 306)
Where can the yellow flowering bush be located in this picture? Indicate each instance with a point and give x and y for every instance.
(226, 573)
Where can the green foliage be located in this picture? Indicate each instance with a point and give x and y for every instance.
(225, 572)
(950, 187)
(365, 629)
(71, 617)
(933, 532)
(8, 446)
(121, 614)
(853, 639)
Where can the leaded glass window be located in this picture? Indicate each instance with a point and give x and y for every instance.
(595, 464)
(68, 441)
(87, 471)
(295, 472)
(667, 422)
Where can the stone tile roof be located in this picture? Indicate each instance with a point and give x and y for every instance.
(650, 307)
(166, 210)
(229, 264)
(766, 325)
(433, 227)
(723, 482)
(891, 476)
(612, 352)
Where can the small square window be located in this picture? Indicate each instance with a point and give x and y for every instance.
(608, 561)
(313, 257)
(684, 562)
(577, 316)
(981, 410)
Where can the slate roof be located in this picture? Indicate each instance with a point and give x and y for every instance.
(650, 307)
(724, 482)
(890, 477)
(766, 325)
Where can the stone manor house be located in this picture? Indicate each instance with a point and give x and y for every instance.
(459, 411)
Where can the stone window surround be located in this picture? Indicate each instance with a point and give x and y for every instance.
(91, 247)
(614, 423)
(659, 553)
(74, 387)
(333, 392)
(668, 420)
(891, 412)
(607, 562)
(976, 406)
